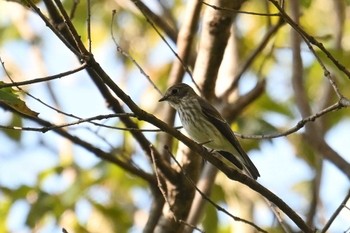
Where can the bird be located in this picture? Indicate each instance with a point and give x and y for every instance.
(205, 125)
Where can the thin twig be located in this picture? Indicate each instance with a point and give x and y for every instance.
(54, 29)
(124, 53)
(336, 213)
(164, 194)
(168, 45)
(311, 40)
(160, 183)
(96, 151)
(191, 226)
(240, 11)
(298, 126)
(88, 21)
(170, 31)
(72, 30)
(82, 120)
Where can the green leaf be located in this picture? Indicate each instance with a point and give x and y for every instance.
(44, 205)
(266, 104)
(14, 134)
(5, 206)
(10, 100)
(211, 219)
(306, 3)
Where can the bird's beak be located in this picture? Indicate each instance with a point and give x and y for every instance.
(163, 98)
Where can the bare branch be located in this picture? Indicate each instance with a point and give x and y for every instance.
(214, 37)
(160, 183)
(239, 11)
(44, 79)
(337, 106)
(151, 22)
(83, 120)
(154, 18)
(336, 213)
(88, 21)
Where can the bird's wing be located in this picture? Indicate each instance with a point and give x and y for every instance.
(216, 119)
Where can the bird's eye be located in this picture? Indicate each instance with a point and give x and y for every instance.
(174, 91)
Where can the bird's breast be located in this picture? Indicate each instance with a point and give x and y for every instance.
(199, 128)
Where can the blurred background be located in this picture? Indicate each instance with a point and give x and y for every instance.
(48, 182)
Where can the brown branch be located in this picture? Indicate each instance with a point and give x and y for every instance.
(335, 107)
(192, 227)
(54, 29)
(152, 17)
(88, 26)
(330, 154)
(236, 175)
(161, 182)
(214, 37)
(185, 41)
(44, 79)
(83, 120)
(68, 29)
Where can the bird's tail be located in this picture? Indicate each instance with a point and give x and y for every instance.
(246, 166)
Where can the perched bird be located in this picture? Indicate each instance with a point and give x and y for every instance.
(205, 125)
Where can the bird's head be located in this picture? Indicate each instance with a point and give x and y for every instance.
(178, 93)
